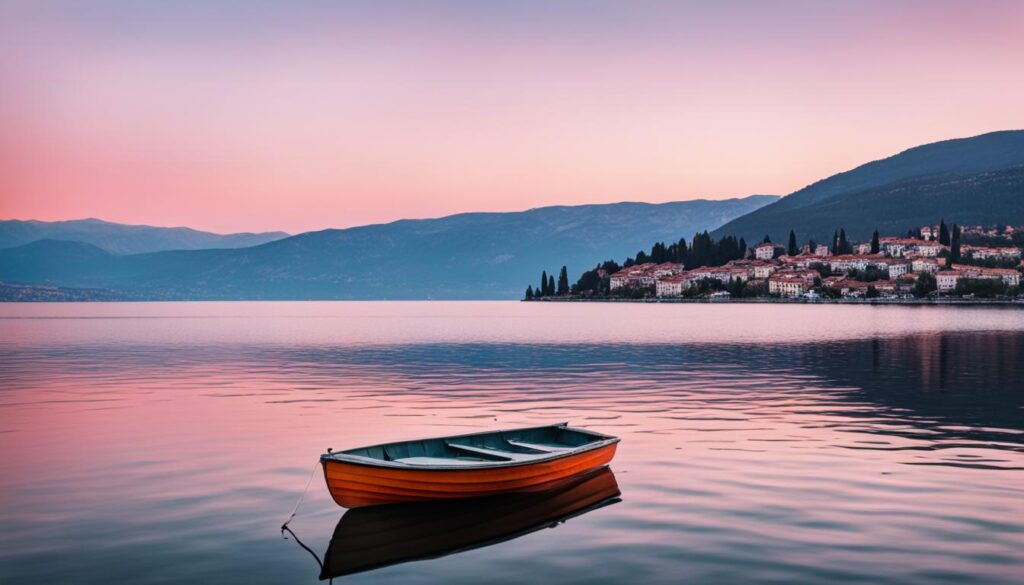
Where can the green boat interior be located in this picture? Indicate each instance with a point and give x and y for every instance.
(480, 449)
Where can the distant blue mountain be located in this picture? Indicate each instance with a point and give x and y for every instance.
(968, 180)
(125, 239)
(465, 256)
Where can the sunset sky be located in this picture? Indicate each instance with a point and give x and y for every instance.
(259, 115)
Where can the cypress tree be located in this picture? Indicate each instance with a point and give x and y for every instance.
(875, 246)
(551, 285)
(563, 282)
(529, 293)
(766, 240)
(835, 243)
(543, 290)
(954, 245)
(743, 248)
(792, 250)
(843, 246)
(943, 233)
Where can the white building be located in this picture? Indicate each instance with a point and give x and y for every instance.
(947, 279)
(672, 286)
(847, 263)
(764, 251)
(790, 283)
(982, 253)
(763, 270)
(929, 265)
(897, 269)
(640, 275)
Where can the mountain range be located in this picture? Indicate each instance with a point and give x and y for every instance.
(974, 180)
(118, 238)
(978, 180)
(464, 256)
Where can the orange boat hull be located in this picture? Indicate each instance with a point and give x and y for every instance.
(353, 485)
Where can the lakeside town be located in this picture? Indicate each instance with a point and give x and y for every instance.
(931, 263)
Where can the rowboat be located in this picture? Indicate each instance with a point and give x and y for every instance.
(380, 536)
(464, 466)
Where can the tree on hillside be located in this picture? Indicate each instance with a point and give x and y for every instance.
(954, 245)
(551, 285)
(766, 240)
(875, 247)
(563, 282)
(839, 243)
(792, 249)
(590, 282)
(743, 248)
(702, 251)
(659, 253)
(529, 293)
(680, 251)
(943, 233)
(543, 290)
(925, 285)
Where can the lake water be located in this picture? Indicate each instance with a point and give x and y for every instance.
(167, 442)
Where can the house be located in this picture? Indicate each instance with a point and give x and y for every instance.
(791, 283)
(906, 283)
(929, 265)
(947, 279)
(849, 262)
(763, 270)
(899, 247)
(983, 253)
(672, 286)
(895, 246)
(637, 276)
(928, 249)
(765, 251)
(858, 289)
(896, 267)
(1008, 275)
(862, 249)
(836, 282)
(666, 269)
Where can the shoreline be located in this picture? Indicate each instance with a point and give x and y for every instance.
(793, 301)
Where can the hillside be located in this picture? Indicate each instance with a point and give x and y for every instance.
(465, 256)
(125, 239)
(919, 185)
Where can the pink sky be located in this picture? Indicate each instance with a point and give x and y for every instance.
(240, 115)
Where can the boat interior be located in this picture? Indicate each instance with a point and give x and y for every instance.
(497, 447)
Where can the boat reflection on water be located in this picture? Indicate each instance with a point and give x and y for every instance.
(379, 536)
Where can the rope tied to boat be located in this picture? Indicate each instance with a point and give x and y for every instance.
(295, 510)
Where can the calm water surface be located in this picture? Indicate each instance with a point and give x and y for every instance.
(166, 443)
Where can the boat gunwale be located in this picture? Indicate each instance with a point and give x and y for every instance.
(345, 457)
